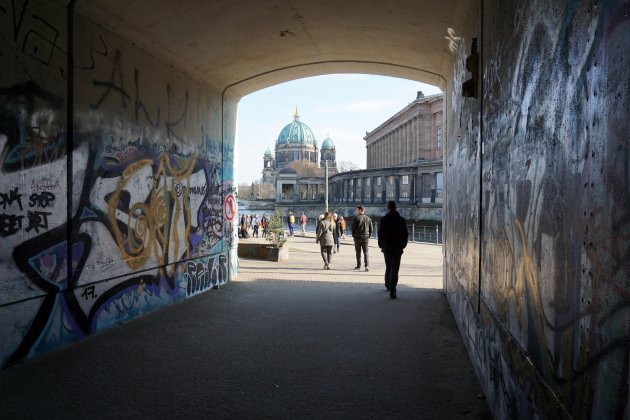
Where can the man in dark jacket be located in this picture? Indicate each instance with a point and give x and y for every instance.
(392, 239)
(361, 232)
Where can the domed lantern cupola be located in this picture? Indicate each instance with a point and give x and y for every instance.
(328, 153)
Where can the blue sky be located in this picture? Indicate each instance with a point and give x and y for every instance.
(343, 106)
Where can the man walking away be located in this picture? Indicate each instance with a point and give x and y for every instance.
(361, 232)
(291, 222)
(303, 220)
(392, 239)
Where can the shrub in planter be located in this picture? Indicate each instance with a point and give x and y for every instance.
(275, 231)
(277, 239)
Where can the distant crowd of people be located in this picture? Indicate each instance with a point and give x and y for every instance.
(254, 224)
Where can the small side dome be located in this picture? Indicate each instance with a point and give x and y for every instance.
(267, 152)
(328, 143)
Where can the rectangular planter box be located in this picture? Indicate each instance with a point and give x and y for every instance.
(277, 254)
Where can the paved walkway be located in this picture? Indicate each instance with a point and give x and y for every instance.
(285, 341)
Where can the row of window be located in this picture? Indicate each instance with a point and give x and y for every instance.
(404, 180)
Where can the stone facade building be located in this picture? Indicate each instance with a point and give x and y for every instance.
(413, 134)
(404, 163)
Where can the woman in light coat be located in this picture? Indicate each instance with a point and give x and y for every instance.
(325, 239)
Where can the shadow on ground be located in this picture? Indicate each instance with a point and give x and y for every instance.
(262, 349)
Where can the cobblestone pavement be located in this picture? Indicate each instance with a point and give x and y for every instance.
(284, 341)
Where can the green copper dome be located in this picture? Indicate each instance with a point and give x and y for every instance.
(327, 143)
(296, 133)
(267, 152)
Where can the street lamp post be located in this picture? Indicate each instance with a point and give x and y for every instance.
(326, 187)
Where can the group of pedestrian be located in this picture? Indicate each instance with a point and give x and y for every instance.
(254, 224)
(392, 240)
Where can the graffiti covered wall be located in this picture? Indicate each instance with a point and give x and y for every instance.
(122, 212)
(551, 337)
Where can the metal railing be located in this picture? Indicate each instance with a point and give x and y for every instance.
(417, 233)
(421, 233)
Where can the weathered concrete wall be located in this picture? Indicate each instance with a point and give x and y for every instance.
(550, 337)
(139, 222)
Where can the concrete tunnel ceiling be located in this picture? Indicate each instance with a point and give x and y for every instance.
(244, 46)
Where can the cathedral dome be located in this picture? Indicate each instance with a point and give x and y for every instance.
(267, 152)
(297, 133)
(327, 143)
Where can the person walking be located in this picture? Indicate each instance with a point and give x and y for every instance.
(255, 234)
(303, 220)
(361, 232)
(336, 233)
(342, 222)
(291, 220)
(325, 239)
(243, 226)
(263, 223)
(392, 239)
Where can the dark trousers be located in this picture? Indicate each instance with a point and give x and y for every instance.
(392, 265)
(361, 244)
(326, 253)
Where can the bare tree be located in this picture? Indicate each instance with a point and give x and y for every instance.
(346, 165)
(305, 168)
(265, 191)
(245, 191)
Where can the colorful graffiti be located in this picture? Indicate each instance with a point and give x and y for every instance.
(146, 192)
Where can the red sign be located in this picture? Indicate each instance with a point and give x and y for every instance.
(230, 207)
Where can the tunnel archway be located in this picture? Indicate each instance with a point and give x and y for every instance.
(115, 115)
(263, 44)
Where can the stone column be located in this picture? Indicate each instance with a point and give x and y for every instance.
(414, 133)
(409, 143)
(399, 146)
(394, 147)
(385, 153)
(406, 157)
